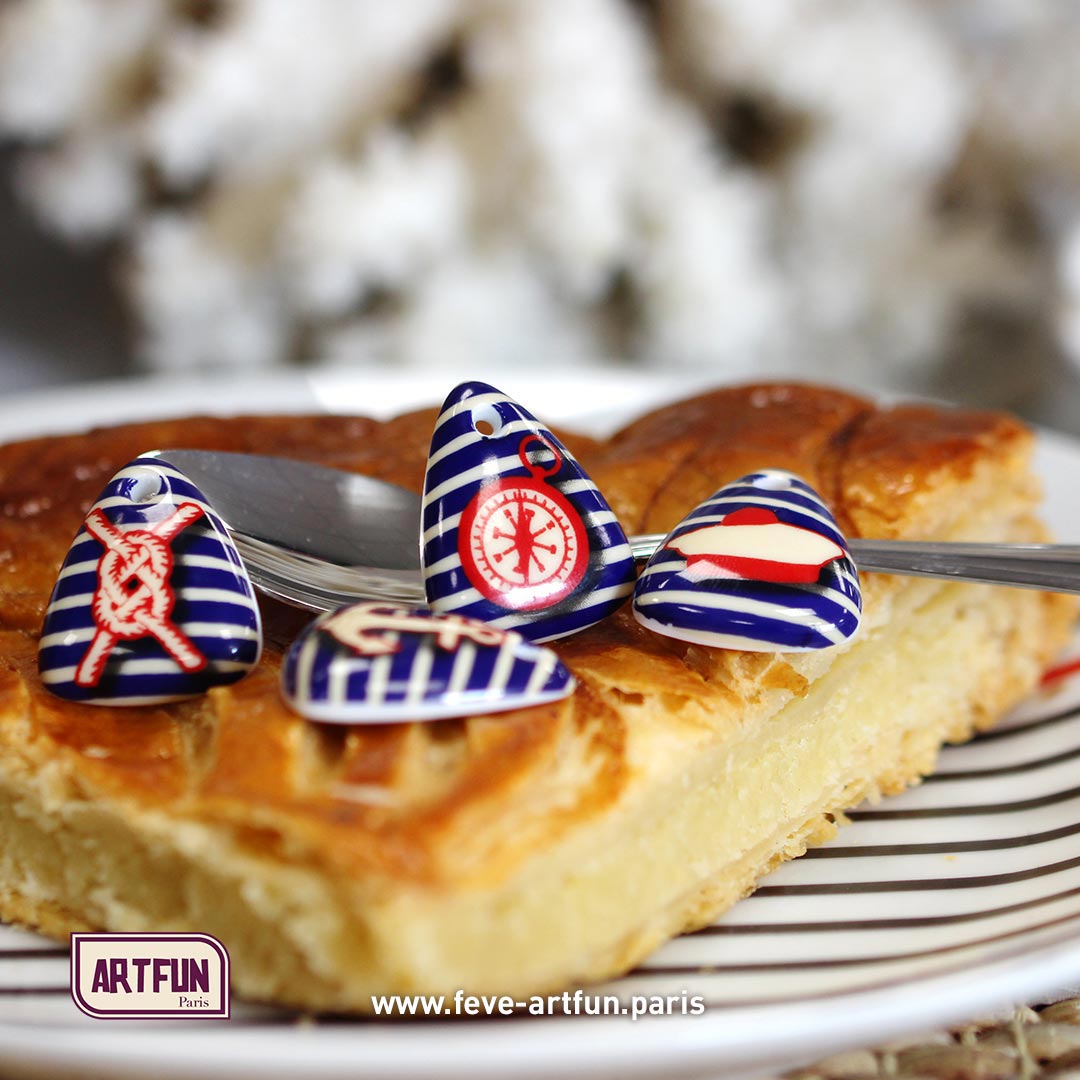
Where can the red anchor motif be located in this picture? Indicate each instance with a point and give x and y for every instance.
(361, 627)
(133, 598)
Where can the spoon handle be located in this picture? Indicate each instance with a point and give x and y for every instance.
(320, 585)
(1052, 567)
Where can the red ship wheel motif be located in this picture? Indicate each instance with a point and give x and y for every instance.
(522, 543)
(133, 598)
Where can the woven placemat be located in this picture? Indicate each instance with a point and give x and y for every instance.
(1039, 1041)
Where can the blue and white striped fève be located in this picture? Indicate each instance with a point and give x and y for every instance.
(152, 603)
(386, 663)
(760, 566)
(514, 531)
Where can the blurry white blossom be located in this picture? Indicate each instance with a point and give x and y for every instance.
(820, 187)
(378, 222)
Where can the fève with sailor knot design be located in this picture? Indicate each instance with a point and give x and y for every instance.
(152, 603)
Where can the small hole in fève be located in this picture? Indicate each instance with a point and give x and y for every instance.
(146, 486)
(487, 421)
(773, 480)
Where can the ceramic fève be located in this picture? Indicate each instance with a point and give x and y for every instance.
(387, 663)
(514, 530)
(761, 565)
(152, 603)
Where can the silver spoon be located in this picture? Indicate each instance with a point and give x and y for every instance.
(321, 538)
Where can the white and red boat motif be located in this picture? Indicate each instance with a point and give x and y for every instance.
(753, 544)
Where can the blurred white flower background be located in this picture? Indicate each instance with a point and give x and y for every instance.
(867, 191)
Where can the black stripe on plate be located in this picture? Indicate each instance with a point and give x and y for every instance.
(1030, 725)
(854, 961)
(974, 810)
(33, 991)
(1003, 770)
(944, 847)
(914, 922)
(918, 884)
(34, 954)
(964, 965)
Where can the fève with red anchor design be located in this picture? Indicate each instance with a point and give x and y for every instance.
(152, 603)
(515, 533)
(386, 663)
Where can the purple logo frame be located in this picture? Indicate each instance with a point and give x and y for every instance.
(194, 968)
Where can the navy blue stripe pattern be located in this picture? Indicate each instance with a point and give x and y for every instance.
(744, 613)
(181, 632)
(514, 531)
(384, 663)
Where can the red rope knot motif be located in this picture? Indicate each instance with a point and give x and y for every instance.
(133, 598)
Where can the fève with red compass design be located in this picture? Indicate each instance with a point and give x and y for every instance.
(522, 544)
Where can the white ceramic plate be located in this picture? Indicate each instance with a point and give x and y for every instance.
(959, 896)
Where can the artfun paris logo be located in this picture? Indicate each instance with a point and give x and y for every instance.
(159, 976)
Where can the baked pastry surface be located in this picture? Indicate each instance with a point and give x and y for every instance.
(522, 852)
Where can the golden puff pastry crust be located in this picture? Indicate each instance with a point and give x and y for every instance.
(529, 850)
